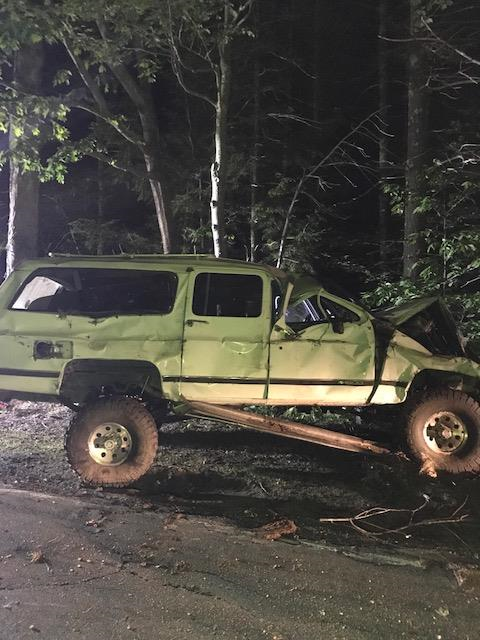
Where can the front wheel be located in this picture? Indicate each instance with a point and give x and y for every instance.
(444, 428)
(112, 442)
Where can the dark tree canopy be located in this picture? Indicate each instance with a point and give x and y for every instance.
(334, 137)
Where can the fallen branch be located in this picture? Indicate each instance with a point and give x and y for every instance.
(364, 522)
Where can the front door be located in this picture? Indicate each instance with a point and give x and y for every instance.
(324, 354)
(226, 335)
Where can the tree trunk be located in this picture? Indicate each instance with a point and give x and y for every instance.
(22, 239)
(287, 12)
(254, 159)
(417, 141)
(23, 225)
(139, 91)
(316, 60)
(383, 204)
(283, 237)
(151, 153)
(218, 169)
(159, 203)
(100, 207)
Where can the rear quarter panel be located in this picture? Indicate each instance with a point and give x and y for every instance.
(154, 338)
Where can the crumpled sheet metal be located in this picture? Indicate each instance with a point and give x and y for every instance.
(406, 358)
(156, 339)
(401, 313)
(316, 366)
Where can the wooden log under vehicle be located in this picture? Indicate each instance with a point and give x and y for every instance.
(286, 428)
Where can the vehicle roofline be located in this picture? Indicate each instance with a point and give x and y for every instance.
(59, 259)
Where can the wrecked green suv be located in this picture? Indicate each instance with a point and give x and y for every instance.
(113, 337)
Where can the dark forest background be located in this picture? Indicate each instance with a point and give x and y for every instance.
(343, 135)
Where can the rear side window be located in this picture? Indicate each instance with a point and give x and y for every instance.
(97, 292)
(227, 295)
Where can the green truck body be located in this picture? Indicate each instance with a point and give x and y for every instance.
(187, 353)
(196, 328)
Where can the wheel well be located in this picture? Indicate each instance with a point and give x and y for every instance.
(85, 379)
(433, 379)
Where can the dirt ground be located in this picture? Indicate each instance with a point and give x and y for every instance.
(252, 478)
(218, 474)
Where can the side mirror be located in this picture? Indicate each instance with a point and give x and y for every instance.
(337, 325)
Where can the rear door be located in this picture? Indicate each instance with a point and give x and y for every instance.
(226, 335)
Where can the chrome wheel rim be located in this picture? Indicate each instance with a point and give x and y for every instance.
(445, 432)
(110, 444)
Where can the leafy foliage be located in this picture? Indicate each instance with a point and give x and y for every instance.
(280, 64)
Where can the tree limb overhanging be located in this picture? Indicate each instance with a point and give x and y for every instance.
(312, 173)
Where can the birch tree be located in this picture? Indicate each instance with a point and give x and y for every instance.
(202, 38)
(23, 219)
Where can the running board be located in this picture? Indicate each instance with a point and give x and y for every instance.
(286, 428)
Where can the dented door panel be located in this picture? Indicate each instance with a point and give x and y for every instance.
(319, 366)
(329, 362)
(225, 359)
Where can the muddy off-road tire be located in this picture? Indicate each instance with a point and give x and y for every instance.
(444, 428)
(112, 442)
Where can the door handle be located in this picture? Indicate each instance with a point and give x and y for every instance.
(190, 323)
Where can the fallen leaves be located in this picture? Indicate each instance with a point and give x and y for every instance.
(278, 529)
(37, 556)
(95, 524)
(467, 577)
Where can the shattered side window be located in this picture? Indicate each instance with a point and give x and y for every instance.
(36, 292)
(304, 314)
(227, 295)
(336, 311)
(98, 292)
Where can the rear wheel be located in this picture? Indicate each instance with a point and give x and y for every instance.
(444, 428)
(112, 442)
